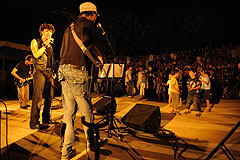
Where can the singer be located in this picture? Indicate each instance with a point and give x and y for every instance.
(73, 75)
(42, 76)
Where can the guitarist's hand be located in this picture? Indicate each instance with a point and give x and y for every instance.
(22, 80)
(98, 64)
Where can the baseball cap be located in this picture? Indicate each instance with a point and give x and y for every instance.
(88, 6)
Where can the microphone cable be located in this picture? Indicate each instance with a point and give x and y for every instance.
(8, 155)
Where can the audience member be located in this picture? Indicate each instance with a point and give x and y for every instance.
(194, 86)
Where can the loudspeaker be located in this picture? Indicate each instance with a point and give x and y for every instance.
(143, 117)
(103, 106)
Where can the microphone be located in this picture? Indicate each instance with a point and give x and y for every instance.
(52, 40)
(100, 27)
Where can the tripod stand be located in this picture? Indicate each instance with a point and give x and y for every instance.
(111, 70)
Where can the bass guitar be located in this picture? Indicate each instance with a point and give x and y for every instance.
(20, 84)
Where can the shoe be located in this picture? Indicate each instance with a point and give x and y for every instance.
(28, 105)
(44, 126)
(37, 126)
(178, 113)
(207, 110)
(198, 115)
(186, 112)
(23, 107)
(173, 112)
(71, 153)
(40, 126)
(101, 142)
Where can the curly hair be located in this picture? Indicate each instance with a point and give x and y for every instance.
(46, 26)
(28, 57)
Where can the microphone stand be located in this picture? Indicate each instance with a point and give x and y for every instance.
(111, 126)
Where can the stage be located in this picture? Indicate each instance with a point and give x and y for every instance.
(187, 136)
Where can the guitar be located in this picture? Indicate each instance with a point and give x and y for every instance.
(20, 84)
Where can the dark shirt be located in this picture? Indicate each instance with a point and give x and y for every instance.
(44, 61)
(22, 70)
(70, 52)
(193, 83)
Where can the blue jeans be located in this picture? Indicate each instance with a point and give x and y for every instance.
(74, 81)
(192, 99)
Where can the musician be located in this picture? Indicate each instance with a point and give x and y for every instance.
(21, 72)
(42, 76)
(73, 75)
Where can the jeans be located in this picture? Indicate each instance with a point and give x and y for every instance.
(74, 81)
(129, 83)
(192, 99)
(42, 83)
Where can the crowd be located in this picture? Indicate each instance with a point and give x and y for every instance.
(150, 74)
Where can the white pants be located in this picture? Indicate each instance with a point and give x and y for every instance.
(142, 89)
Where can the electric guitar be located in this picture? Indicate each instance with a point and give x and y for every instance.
(20, 84)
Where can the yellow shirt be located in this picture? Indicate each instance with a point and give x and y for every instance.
(174, 82)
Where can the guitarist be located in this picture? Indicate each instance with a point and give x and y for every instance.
(21, 72)
(73, 75)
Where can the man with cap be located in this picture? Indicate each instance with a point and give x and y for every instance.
(73, 76)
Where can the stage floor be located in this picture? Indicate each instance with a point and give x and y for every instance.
(188, 136)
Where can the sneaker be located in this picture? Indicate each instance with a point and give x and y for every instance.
(198, 115)
(40, 126)
(173, 112)
(44, 126)
(23, 107)
(178, 113)
(207, 110)
(186, 112)
(37, 126)
(101, 142)
(71, 153)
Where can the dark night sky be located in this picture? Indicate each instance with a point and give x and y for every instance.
(20, 20)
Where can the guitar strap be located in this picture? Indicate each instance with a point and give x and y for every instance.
(81, 45)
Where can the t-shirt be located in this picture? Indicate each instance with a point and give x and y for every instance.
(22, 70)
(193, 83)
(70, 52)
(128, 76)
(174, 82)
(207, 80)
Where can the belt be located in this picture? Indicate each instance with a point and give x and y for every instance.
(82, 68)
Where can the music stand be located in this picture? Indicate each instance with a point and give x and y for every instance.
(107, 71)
(111, 71)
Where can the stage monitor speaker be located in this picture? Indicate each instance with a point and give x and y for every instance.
(103, 106)
(143, 117)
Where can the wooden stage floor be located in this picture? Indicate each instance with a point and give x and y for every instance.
(188, 136)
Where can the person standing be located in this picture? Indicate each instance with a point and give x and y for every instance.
(143, 86)
(140, 75)
(21, 72)
(73, 76)
(128, 81)
(194, 86)
(205, 88)
(42, 76)
(175, 92)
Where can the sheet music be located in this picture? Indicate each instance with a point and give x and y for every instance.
(118, 71)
